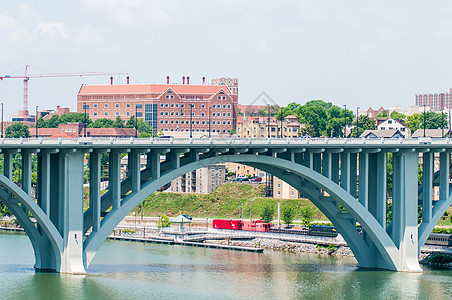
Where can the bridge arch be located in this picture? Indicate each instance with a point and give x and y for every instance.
(298, 176)
(44, 237)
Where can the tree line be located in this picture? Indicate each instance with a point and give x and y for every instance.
(18, 129)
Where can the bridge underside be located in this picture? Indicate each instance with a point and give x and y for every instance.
(348, 185)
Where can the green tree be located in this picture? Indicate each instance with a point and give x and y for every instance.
(383, 114)
(263, 112)
(307, 215)
(288, 214)
(413, 122)
(398, 116)
(102, 123)
(118, 123)
(41, 123)
(364, 123)
(433, 120)
(267, 213)
(17, 130)
(164, 221)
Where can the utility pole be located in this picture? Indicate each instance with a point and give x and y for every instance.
(424, 119)
(357, 122)
(345, 120)
(36, 119)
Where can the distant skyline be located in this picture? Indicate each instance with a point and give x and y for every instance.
(358, 53)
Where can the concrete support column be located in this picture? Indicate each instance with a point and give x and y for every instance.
(26, 171)
(155, 164)
(94, 188)
(317, 162)
(377, 187)
(308, 159)
(404, 210)
(8, 164)
(114, 178)
(134, 172)
(353, 168)
(326, 165)
(345, 171)
(44, 182)
(335, 167)
(427, 186)
(444, 190)
(48, 261)
(363, 195)
(71, 187)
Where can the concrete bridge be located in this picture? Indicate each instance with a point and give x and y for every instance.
(332, 173)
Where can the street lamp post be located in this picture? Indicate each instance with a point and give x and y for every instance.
(442, 123)
(251, 201)
(136, 121)
(424, 119)
(345, 120)
(357, 122)
(84, 120)
(36, 123)
(210, 127)
(2, 119)
(268, 121)
(191, 119)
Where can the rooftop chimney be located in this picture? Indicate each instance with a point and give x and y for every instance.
(111, 80)
(183, 79)
(167, 79)
(128, 79)
(188, 79)
(203, 80)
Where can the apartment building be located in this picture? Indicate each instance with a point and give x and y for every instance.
(201, 181)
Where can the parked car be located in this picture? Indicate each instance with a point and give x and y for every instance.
(256, 179)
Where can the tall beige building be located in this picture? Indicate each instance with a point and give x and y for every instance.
(200, 181)
(231, 83)
(264, 127)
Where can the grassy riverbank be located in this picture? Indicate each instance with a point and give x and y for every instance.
(225, 202)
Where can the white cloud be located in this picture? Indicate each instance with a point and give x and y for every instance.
(28, 26)
(132, 12)
(88, 35)
(52, 30)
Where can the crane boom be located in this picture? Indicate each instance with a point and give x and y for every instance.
(27, 77)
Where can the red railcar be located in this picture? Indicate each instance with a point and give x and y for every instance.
(256, 225)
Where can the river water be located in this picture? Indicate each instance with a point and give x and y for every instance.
(127, 270)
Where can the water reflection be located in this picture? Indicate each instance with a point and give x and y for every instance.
(125, 270)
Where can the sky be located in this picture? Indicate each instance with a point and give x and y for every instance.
(357, 53)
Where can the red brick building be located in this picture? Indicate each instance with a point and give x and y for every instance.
(166, 107)
(74, 130)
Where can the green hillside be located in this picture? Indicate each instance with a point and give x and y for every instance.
(224, 202)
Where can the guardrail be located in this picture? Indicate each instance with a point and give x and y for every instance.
(87, 142)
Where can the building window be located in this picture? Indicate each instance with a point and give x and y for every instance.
(106, 105)
(95, 105)
(106, 113)
(128, 105)
(139, 114)
(139, 106)
(117, 105)
(128, 113)
(117, 113)
(85, 106)
(95, 114)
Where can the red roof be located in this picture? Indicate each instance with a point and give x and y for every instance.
(64, 135)
(152, 88)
